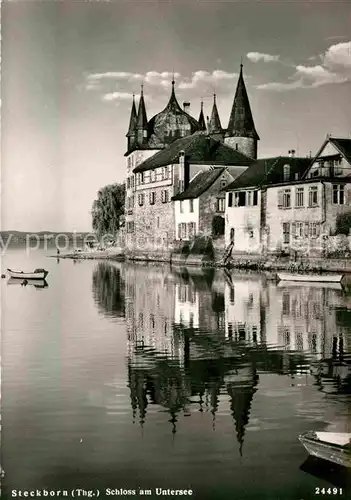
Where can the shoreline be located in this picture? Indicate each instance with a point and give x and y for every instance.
(256, 263)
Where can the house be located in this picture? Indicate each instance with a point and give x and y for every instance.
(161, 179)
(303, 212)
(165, 152)
(200, 208)
(249, 212)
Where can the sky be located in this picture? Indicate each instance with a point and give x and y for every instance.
(69, 70)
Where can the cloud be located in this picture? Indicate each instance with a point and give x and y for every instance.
(258, 56)
(201, 78)
(118, 96)
(114, 75)
(334, 67)
(156, 78)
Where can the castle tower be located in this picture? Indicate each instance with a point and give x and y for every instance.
(201, 119)
(214, 125)
(141, 126)
(131, 134)
(241, 132)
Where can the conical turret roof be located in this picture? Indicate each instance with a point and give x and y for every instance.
(142, 118)
(215, 126)
(201, 120)
(133, 120)
(241, 123)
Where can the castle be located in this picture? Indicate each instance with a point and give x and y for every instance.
(164, 154)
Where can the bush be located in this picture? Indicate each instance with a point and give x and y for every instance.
(343, 223)
(202, 246)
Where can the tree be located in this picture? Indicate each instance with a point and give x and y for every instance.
(108, 208)
(343, 223)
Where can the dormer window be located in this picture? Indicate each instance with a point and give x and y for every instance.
(286, 172)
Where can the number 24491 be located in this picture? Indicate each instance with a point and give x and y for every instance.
(328, 491)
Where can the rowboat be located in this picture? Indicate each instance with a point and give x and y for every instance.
(331, 446)
(35, 282)
(310, 284)
(313, 278)
(35, 275)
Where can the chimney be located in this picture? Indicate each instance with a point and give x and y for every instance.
(186, 107)
(291, 153)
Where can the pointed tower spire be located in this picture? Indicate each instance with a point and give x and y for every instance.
(141, 119)
(201, 120)
(131, 134)
(133, 119)
(241, 132)
(215, 126)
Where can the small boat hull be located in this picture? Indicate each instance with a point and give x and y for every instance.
(37, 283)
(35, 275)
(313, 278)
(326, 450)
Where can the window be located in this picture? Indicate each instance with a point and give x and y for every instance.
(299, 229)
(181, 208)
(240, 199)
(142, 178)
(223, 183)
(220, 205)
(164, 196)
(249, 198)
(286, 233)
(299, 197)
(191, 229)
(141, 199)
(230, 199)
(129, 162)
(132, 181)
(286, 172)
(338, 194)
(284, 198)
(313, 230)
(152, 198)
(153, 175)
(181, 186)
(130, 227)
(182, 231)
(255, 197)
(128, 182)
(313, 196)
(191, 205)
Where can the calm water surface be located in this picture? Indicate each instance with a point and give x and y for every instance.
(142, 376)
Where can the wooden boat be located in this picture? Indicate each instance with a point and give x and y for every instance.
(35, 275)
(34, 282)
(313, 278)
(310, 284)
(331, 446)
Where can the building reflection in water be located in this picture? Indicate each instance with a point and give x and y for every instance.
(108, 290)
(198, 339)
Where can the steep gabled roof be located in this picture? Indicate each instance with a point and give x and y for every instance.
(270, 171)
(200, 184)
(344, 146)
(200, 149)
(241, 123)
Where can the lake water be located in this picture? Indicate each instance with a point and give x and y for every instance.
(132, 376)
